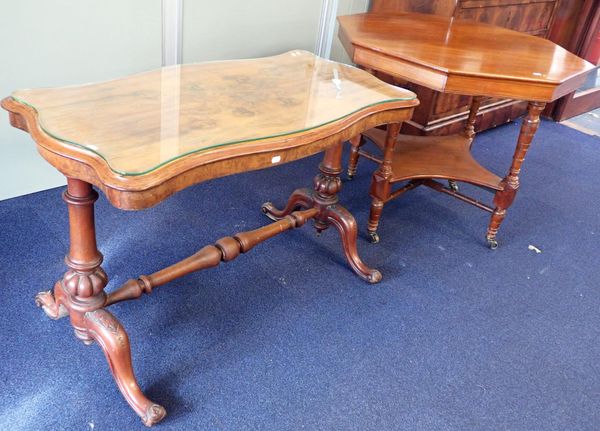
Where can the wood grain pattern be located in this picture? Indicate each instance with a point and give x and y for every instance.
(308, 113)
(139, 122)
(443, 113)
(459, 57)
(444, 157)
(462, 57)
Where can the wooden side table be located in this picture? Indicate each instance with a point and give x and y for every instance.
(142, 138)
(459, 57)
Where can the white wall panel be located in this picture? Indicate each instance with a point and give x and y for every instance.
(63, 42)
(232, 29)
(345, 7)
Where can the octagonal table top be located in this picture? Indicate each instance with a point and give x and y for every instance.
(462, 57)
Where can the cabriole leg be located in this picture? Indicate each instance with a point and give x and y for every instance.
(110, 335)
(327, 187)
(324, 198)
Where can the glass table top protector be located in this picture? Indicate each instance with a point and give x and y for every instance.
(141, 122)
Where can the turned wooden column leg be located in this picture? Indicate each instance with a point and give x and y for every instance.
(373, 222)
(381, 186)
(469, 131)
(327, 187)
(355, 144)
(80, 294)
(510, 184)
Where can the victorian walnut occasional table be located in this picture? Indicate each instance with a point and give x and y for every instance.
(459, 57)
(142, 138)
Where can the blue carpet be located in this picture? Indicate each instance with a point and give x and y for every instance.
(456, 337)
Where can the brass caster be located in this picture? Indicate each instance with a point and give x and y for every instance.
(492, 243)
(350, 176)
(373, 237)
(453, 186)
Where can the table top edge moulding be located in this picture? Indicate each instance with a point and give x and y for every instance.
(393, 43)
(154, 119)
(177, 107)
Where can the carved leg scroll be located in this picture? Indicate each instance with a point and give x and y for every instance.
(300, 198)
(324, 200)
(103, 327)
(381, 186)
(510, 184)
(52, 303)
(80, 294)
(347, 228)
(327, 187)
(355, 144)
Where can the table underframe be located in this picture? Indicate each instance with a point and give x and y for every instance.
(423, 160)
(80, 294)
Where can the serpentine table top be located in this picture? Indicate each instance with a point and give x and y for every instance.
(142, 138)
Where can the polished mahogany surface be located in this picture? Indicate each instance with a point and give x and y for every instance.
(462, 57)
(141, 122)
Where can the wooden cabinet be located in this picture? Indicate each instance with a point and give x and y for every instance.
(577, 28)
(442, 114)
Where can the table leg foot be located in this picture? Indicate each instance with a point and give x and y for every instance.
(345, 223)
(300, 198)
(51, 305)
(373, 223)
(108, 332)
(497, 217)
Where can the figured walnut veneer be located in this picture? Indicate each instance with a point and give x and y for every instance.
(142, 138)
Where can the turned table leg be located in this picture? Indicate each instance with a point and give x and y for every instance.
(510, 184)
(381, 186)
(80, 294)
(324, 197)
(469, 130)
(355, 144)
